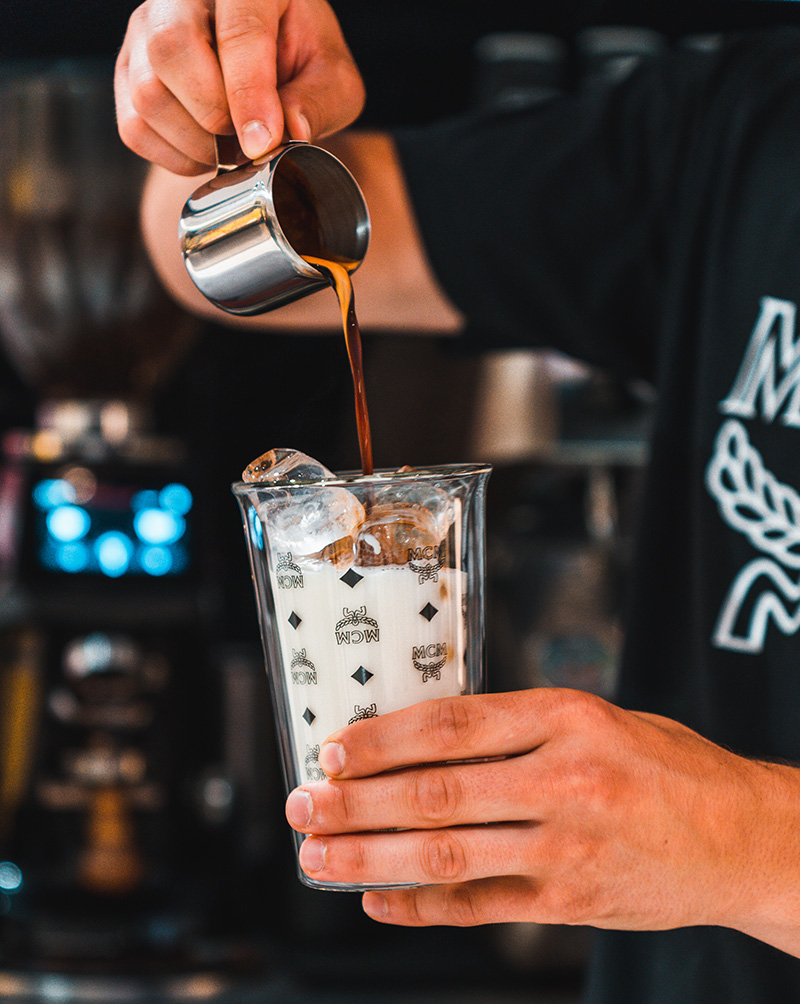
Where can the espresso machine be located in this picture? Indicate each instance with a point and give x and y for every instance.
(133, 775)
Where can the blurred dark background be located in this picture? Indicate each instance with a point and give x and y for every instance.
(416, 57)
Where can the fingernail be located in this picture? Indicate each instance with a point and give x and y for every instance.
(255, 139)
(331, 758)
(299, 808)
(312, 854)
(374, 905)
(301, 128)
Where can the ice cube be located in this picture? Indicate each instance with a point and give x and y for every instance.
(313, 523)
(285, 465)
(392, 533)
(421, 495)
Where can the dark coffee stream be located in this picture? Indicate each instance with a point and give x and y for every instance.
(339, 273)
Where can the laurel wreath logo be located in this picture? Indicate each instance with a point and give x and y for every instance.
(426, 572)
(751, 499)
(285, 563)
(430, 670)
(353, 618)
(754, 502)
(371, 711)
(300, 659)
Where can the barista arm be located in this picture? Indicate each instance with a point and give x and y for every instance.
(395, 287)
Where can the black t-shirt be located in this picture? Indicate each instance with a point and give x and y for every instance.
(654, 227)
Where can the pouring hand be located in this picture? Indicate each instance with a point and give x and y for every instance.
(270, 69)
(586, 814)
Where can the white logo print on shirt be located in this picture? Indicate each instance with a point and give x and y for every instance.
(750, 498)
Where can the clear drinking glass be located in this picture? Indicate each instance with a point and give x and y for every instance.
(370, 596)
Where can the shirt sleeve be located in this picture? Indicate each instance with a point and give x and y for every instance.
(547, 226)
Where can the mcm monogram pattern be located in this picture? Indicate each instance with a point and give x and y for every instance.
(430, 670)
(426, 573)
(300, 659)
(302, 669)
(288, 573)
(371, 711)
(285, 563)
(313, 770)
(355, 618)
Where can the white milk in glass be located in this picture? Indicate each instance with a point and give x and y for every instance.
(361, 640)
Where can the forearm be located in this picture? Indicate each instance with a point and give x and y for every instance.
(395, 288)
(769, 909)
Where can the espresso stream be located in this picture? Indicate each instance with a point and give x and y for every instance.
(339, 272)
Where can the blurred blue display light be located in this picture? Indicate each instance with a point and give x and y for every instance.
(158, 526)
(72, 557)
(121, 530)
(53, 492)
(156, 560)
(67, 523)
(176, 498)
(10, 876)
(147, 499)
(114, 551)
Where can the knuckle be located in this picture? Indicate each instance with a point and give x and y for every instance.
(352, 85)
(342, 72)
(414, 907)
(452, 723)
(137, 24)
(167, 42)
(585, 711)
(241, 93)
(460, 906)
(139, 16)
(578, 885)
(133, 132)
(342, 807)
(444, 857)
(435, 796)
(570, 906)
(239, 26)
(148, 94)
(357, 856)
(215, 120)
(584, 780)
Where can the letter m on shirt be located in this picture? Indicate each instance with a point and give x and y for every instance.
(769, 377)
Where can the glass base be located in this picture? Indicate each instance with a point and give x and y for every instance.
(352, 886)
(342, 886)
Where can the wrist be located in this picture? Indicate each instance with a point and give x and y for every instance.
(765, 845)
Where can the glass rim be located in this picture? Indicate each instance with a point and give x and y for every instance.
(379, 477)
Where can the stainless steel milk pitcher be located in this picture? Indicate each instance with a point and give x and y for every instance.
(246, 233)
